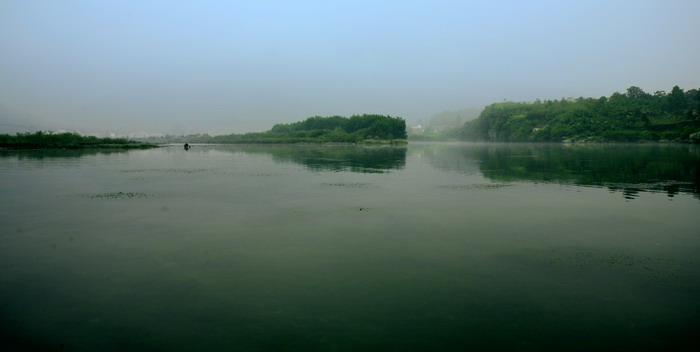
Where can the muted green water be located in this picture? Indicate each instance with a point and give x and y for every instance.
(425, 247)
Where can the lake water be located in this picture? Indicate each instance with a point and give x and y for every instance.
(349, 248)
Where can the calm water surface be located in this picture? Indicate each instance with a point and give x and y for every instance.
(425, 247)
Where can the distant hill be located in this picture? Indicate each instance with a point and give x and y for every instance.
(446, 120)
(442, 126)
(633, 116)
(12, 121)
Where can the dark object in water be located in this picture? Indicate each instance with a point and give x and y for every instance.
(187, 146)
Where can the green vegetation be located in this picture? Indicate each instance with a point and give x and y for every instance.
(45, 140)
(369, 129)
(635, 116)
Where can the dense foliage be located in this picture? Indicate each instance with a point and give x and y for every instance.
(343, 129)
(629, 117)
(357, 128)
(68, 140)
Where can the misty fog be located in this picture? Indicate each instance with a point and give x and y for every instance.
(232, 67)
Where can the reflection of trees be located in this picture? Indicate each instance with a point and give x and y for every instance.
(57, 153)
(627, 168)
(366, 159)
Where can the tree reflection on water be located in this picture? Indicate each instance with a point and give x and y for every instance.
(627, 168)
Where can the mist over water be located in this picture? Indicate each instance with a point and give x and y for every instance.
(425, 247)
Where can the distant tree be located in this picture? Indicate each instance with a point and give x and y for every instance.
(637, 93)
(677, 101)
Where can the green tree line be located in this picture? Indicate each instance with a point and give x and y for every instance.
(68, 140)
(357, 128)
(365, 126)
(633, 116)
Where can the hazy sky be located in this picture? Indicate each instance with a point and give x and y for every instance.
(238, 66)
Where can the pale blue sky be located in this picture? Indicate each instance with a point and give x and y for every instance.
(237, 66)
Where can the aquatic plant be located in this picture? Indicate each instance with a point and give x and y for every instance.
(119, 195)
